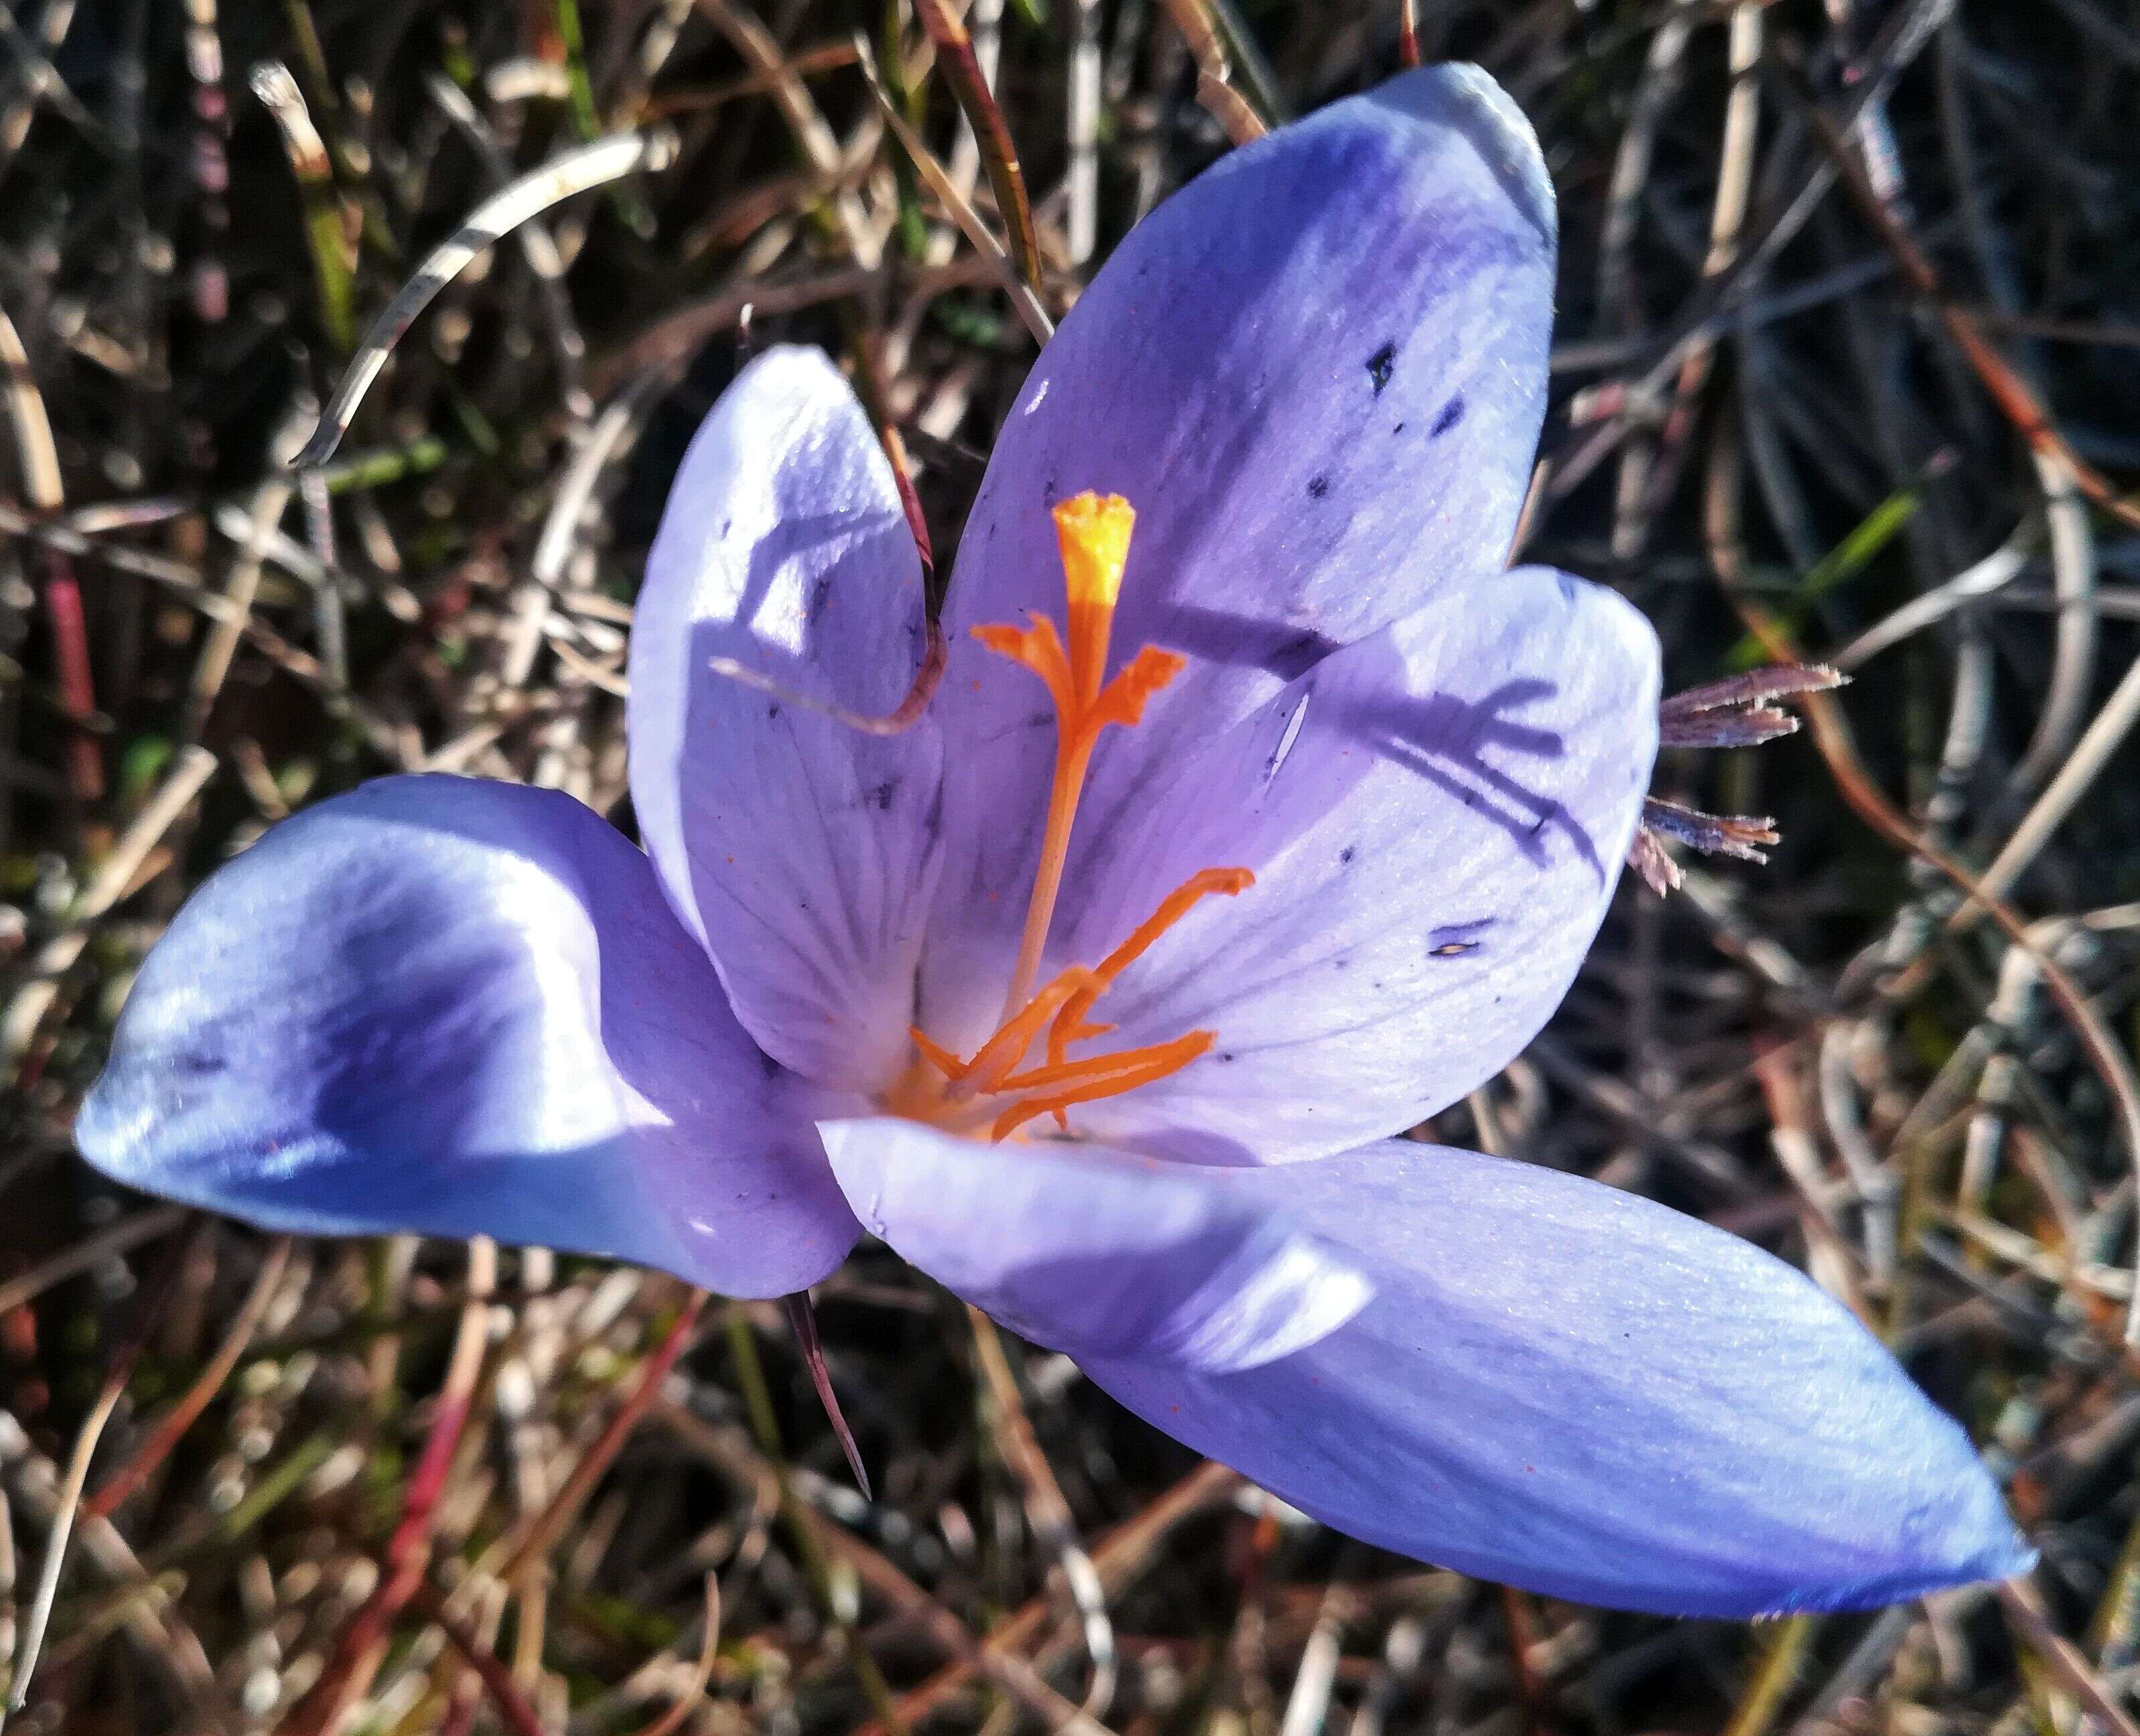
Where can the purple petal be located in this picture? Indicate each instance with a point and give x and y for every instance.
(800, 851)
(1568, 1388)
(1436, 817)
(1095, 1252)
(1318, 373)
(460, 1008)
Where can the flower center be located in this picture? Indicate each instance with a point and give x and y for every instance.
(996, 1086)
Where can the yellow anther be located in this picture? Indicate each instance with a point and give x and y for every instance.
(1094, 530)
(995, 1088)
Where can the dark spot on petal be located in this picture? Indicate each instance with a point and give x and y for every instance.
(1398, 429)
(880, 796)
(772, 708)
(1317, 486)
(1381, 366)
(1455, 939)
(1347, 853)
(1451, 415)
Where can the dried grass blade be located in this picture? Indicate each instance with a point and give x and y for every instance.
(955, 48)
(939, 181)
(179, 1418)
(577, 171)
(69, 1505)
(686, 1703)
(1230, 109)
(334, 259)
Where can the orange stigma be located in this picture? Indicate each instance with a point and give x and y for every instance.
(1094, 532)
(994, 1087)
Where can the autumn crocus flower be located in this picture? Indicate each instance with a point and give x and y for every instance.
(1260, 816)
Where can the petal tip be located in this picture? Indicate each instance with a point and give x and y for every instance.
(107, 1134)
(1960, 1534)
(1632, 631)
(1459, 95)
(115, 1128)
(782, 380)
(2008, 1559)
(789, 361)
(1970, 1535)
(1979, 1541)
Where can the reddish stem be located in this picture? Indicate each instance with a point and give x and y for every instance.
(70, 631)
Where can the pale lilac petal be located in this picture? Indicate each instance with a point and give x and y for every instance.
(799, 850)
(1566, 1388)
(1436, 817)
(461, 1007)
(1318, 373)
(1096, 1251)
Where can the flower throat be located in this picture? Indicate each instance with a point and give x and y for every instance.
(996, 1087)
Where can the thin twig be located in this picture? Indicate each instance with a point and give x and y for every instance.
(175, 1422)
(710, 1641)
(2018, 1600)
(2086, 763)
(1046, 1511)
(363, 1639)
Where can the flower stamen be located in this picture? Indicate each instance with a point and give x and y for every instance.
(1069, 1026)
(1093, 531)
(1158, 1062)
(998, 1067)
(998, 1057)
